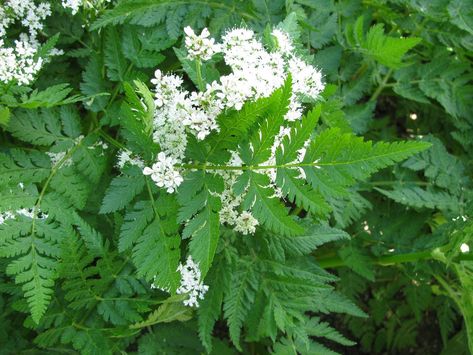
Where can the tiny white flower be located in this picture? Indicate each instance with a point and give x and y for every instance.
(164, 174)
(200, 47)
(465, 248)
(246, 223)
(191, 283)
(284, 43)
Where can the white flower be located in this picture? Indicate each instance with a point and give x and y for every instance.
(283, 41)
(306, 79)
(246, 223)
(167, 87)
(164, 174)
(191, 283)
(57, 157)
(255, 73)
(124, 157)
(19, 62)
(5, 216)
(465, 248)
(74, 5)
(200, 47)
(26, 212)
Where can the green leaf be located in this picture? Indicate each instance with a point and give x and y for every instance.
(234, 127)
(300, 133)
(267, 208)
(386, 50)
(136, 220)
(322, 329)
(299, 192)
(156, 255)
(134, 51)
(238, 299)
(4, 115)
(211, 306)
(307, 242)
(94, 83)
(52, 96)
(357, 260)
(331, 167)
(201, 209)
(263, 137)
(45, 126)
(22, 166)
(33, 245)
(122, 190)
(461, 14)
(114, 59)
(417, 197)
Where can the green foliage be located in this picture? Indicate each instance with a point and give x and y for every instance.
(363, 208)
(376, 45)
(200, 208)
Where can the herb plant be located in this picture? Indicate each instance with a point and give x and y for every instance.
(236, 176)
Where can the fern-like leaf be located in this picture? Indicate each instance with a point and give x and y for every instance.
(267, 208)
(33, 245)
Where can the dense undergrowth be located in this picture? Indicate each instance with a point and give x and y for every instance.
(185, 177)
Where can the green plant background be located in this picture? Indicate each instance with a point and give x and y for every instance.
(399, 69)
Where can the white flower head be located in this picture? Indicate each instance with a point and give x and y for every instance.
(246, 223)
(124, 157)
(465, 248)
(283, 41)
(191, 283)
(74, 5)
(164, 174)
(200, 47)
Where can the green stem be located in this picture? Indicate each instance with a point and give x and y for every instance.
(111, 140)
(198, 69)
(387, 260)
(382, 85)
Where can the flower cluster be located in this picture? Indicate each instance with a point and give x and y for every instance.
(164, 174)
(18, 60)
(26, 212)
(74, 5)
(124, 157)
(200, 47)
(255, 73)
(191, 283)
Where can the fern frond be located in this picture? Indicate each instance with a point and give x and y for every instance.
(201, 209)
(239, 297)
(417, 197)
(267, 208)
(258, 149)
(23, 166)
(33, 245)
(335, 166)
(122, 190)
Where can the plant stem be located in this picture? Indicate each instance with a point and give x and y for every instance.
(198, 69)
(381, 86)
(387, 260)
(111, 140)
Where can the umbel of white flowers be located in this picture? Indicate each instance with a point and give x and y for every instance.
(19, 60)
(19, 63)
(191, 283)
(256, 72)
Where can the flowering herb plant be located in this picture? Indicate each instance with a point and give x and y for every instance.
(183, 178)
